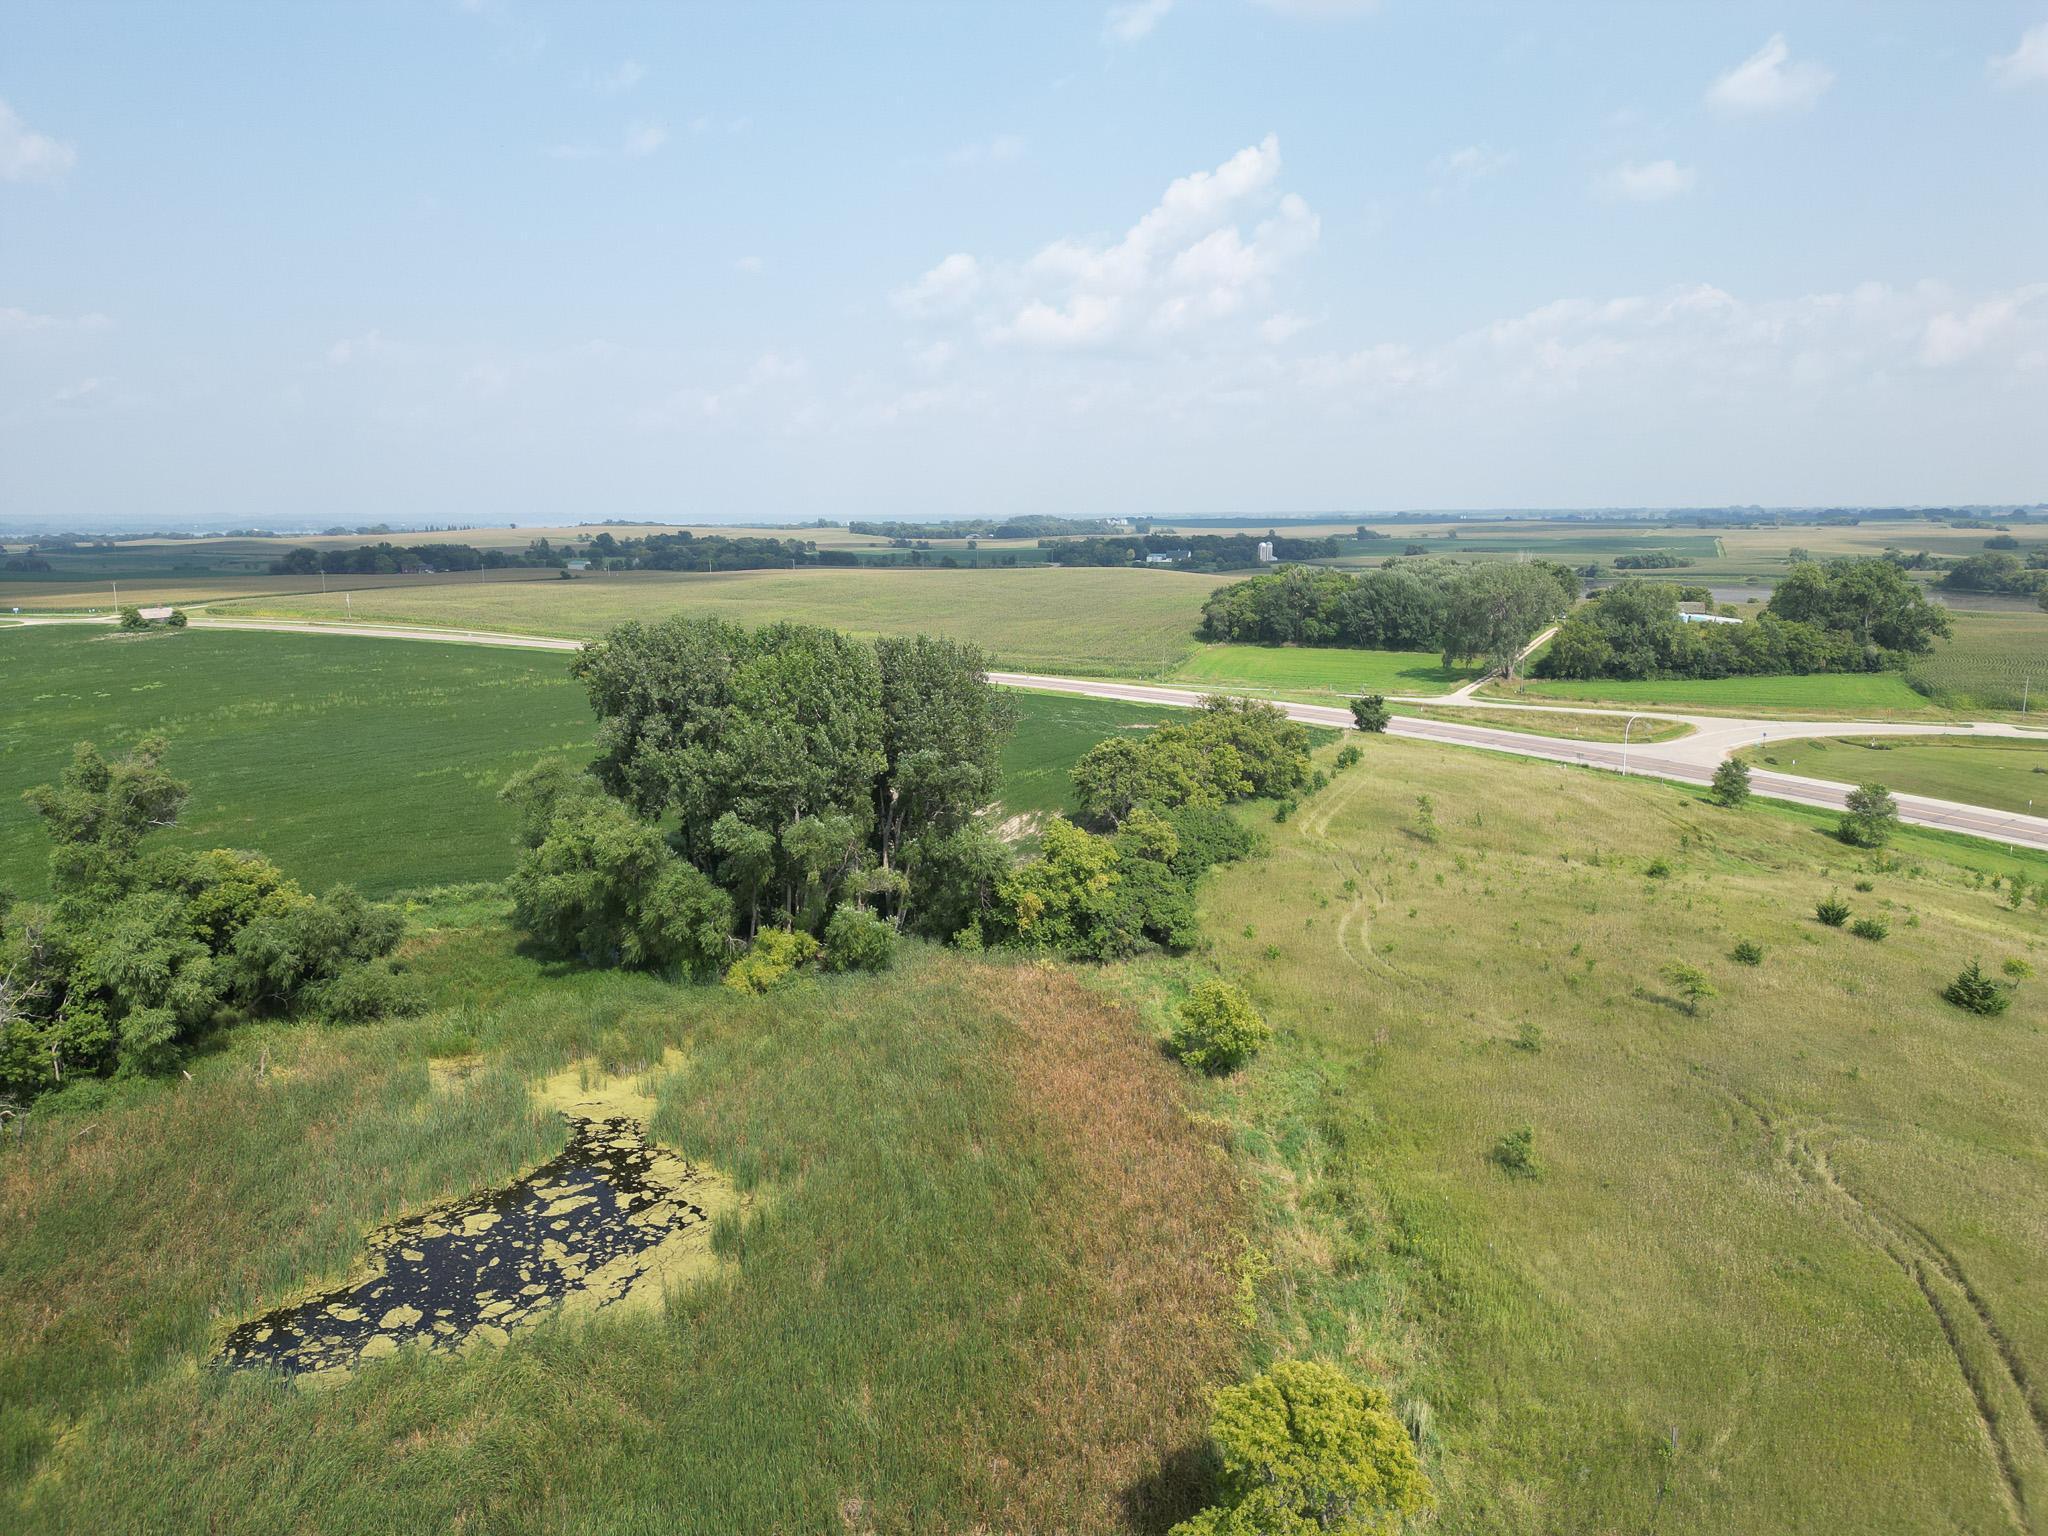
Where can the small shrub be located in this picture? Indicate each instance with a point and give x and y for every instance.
(2017, 969)
(1833, 911)
(177, 620)
(1731, 782)
(1658, 869)
(1371, 712)
(1529, 1037)
(1283, 810)
(1692, 984)
(1748, 952)
(1425, 818)
(1865, 886)
(1515, 1154)
(1974, 992)
(773, 960)
(131, 618)
(1303, 1448)
(857, 940)
(1219, 1029)
(1349, 757)
(1871, 928)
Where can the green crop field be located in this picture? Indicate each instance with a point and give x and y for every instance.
(1871, 694)
(374, 762)
(1107, 622)
(1993, 661)
(2005, 773)
(1321, 669)
(1781, 1251)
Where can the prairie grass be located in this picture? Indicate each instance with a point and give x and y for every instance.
(987, 1276)
(1708, 1314)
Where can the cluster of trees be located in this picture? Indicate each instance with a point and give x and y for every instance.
(1196, 552)
(682, 551)
(750, 780)
(763, 798)
(142, 949)
(1856, 615)
(1153, 820)
(1998, 571)
(1654, 560)
(1462, 611)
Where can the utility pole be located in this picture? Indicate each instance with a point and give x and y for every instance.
(1628, 726)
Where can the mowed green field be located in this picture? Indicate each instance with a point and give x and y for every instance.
(1108, 622)
(1321, 669)
(1783, 1261)
(374, 762)
(1817, 695)
(2003, 772)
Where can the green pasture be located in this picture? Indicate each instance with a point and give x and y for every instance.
(1568, 724)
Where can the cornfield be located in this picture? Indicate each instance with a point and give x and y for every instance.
(1994, 661)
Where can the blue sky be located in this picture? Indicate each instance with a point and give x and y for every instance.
(489, 261)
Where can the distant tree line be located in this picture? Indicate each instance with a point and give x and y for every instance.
(1031, 527)
(1855, 615)
(1652, 560)
(142, 949)
(1465, 611)
(682, 551)
(1201, 552)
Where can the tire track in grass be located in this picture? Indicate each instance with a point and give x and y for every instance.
(1315, 827)
(2002, 1390)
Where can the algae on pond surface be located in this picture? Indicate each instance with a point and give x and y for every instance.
(612, 1220)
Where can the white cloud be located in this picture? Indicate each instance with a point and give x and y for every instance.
(1769, 80)
(80, 392)
(1462, 167)
(644, 138)
(618, 81)
(1194, 258)
(935, 358)
(1000, 150)
(749, 265)
(21, 322)
(1954, 337)
(1283, 326)
(370, 345)
(29, 156)
(1656, 182)
(1321, 10)
(1130, 21)
(945, 289)
(2028, 63)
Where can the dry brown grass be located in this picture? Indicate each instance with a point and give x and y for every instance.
(1119, 1406)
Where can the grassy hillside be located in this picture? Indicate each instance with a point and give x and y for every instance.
(1781, 1268)
(2007, 774)
(985, 1284)
(1097, 622)
(369, 761)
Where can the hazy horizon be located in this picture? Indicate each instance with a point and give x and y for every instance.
(489, 262)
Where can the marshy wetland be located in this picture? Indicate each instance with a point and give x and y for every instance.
(613, 1218)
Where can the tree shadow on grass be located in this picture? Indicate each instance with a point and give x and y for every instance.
(1181, 1486)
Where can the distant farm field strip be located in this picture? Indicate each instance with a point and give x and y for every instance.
(1102, 622)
